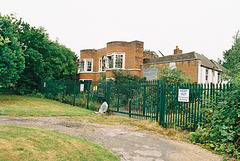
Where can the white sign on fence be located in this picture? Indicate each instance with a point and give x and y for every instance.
(81, 87)
(183, 95)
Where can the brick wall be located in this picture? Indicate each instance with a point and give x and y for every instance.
(190, 68)
(134, 55)
(133, 58)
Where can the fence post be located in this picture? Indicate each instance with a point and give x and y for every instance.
(40, 86)
(144, 99)
(158, 94)
(162, 103)
(130, 99)
(108, 88)
(63, 91)
(88, 93)
(74, 92)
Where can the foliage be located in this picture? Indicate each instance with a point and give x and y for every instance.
(150, 51)
(121, 78)
(172, 75)
(221, 127)
(11, 54)
(44, 59)
(32, 73)
(231, 57)
(103, 77)
(125, 78)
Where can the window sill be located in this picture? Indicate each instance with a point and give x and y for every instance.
(86, 72)
(115, 68)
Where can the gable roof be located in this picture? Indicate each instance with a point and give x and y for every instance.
(205, 62)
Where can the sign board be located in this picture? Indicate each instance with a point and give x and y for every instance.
(81, 87)
(94, 88)
(183, 95)
(44, 84)
(150, 73)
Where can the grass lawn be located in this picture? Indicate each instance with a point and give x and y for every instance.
(14, 105)
(22, 143)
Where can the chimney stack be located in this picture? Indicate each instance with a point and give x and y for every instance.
(177, 51)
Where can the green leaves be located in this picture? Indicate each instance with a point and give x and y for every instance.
(231, 58)
(11, 55)
(125, 78)
(172, 75)
(221, 128)
(4, 41)
(27, 55)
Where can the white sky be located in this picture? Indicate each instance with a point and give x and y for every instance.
(203, 26)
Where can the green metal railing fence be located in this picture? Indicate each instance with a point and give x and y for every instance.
(152, 99)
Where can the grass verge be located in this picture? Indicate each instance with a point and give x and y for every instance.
(22, 143)
(14, 105)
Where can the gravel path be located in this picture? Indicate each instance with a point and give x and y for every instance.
(131, 145)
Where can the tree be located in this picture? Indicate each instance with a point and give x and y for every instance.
(231, 57)
(172, 75)
(220, 129)
(11, 55)
(125, 78)
(45, 59)
(32, 73)
(150, 51)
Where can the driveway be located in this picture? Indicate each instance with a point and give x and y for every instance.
(131, 145)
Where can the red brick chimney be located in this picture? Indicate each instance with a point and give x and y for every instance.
(177, 51)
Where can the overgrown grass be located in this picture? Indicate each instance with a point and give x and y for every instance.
(22, 143)
(14, 105)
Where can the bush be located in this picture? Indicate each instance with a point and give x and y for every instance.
(221, 128)
(35, 93)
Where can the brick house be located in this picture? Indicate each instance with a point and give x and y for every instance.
(127, 56)
(131, 57)
(198, 67)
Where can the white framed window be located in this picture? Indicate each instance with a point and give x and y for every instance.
(86, 65)
(115, 61)
(101, 64)
(172, 65)
(206, 75)
(219, 77)
(81, 65)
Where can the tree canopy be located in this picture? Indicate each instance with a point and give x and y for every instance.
(172, 75)
(11, 55)
(121, 77)
(231, 57)
(38, 56)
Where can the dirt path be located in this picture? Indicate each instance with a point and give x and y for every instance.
(131, 145)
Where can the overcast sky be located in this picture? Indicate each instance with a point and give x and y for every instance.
(203, 26)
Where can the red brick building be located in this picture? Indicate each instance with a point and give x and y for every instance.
(127, 56)
(131, 57)
(197, 66)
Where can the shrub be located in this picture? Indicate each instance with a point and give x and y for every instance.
(221, 129)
